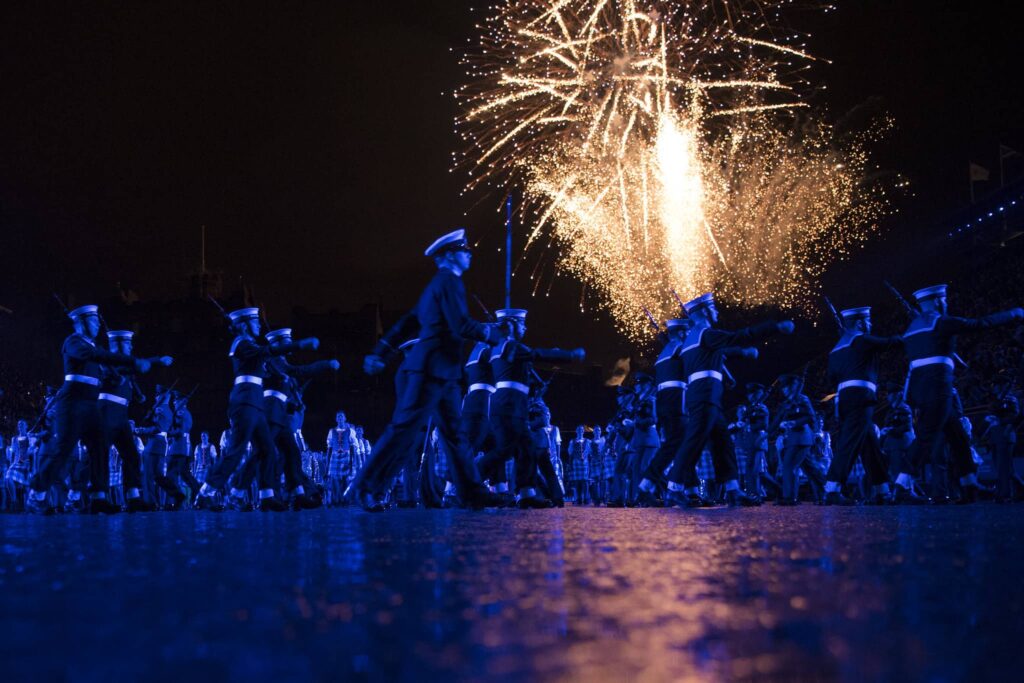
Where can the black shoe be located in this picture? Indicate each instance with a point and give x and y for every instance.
(209, 503)
(368, 502)
(973, 493)
(836, 498)
(273, 504)
(74, 507)
(485, 499)
(615, 503)
(309, 501)
(40, 507)
(787, 502)
(904, 496)
(534, 502)
(681, 499)
(649, 499)
(507, 500)
(175, 503)
(737, 498)
(236, 504)
(880, 499)
(102, 506)
(139, 505)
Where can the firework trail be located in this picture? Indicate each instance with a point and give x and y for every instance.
(665, 145)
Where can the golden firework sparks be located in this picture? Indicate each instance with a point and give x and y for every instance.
(664, 145)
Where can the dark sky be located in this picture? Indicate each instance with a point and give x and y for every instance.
(314, 139)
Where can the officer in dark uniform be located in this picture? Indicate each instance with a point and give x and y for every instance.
(703, 355)
(511, 363)
(853, 367)
(118, 389)
(429, 380)
(78, 415)
(670, 404)
(930, 343)
(160, 418)
(178, 453)
(245, 409)
(281, 400)
(644, 442)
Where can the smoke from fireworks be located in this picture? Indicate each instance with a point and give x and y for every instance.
(664, 145)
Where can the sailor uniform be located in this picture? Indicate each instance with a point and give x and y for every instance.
(246, 408)
(703, 357)
(670, 378)
(118, 389)
(853, 368)
(511, 363)
(77, 414)
(429, 378)
(930, 343)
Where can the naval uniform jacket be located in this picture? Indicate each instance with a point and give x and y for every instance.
(248, 360)
(444, 323)
(930, 343)
(853, 366)
(511, 363)
(704, 352)
(670, 376)
(480, 380)
(83, 362)
(281, 399)
(117, 390)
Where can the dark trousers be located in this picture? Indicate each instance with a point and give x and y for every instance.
(937, 425)
(673, 429)
(705, 425)
(857, 436)
(248, 425)
(177, 467)
(794, 456)
(77, 420)
(512, 441)
(269, 470)
(118, 434)
(421, 398)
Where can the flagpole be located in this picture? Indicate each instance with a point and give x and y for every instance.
(508, 251)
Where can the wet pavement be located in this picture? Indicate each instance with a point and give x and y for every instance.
(896, 594)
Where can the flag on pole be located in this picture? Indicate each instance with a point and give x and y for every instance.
(978, 173)
(1007, 152)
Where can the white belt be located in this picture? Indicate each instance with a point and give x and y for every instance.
(518, 386)
(249, 379)
(84, 379)
(481, 386)
(114, 399)
(931, 360)
(672, 384)
(705, 374)
(861, 383)
(276, 394)
(162, 435)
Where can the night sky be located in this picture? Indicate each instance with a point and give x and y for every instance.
(314, 140)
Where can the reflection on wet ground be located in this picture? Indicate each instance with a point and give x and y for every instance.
(584, 594)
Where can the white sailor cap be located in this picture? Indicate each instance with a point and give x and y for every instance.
(701, 301)
(516, 313)
(120, 335)
(283, 333)
(676, 323)
(83, 311)
(243, 314)
(456, 238)
(856, 313)
(929, 292)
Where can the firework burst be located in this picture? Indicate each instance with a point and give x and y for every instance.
(665, 145)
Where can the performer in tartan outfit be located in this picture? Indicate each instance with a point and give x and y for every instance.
(340, 465)
(579, 467)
